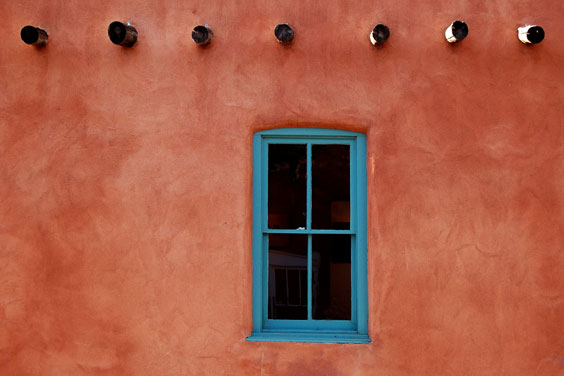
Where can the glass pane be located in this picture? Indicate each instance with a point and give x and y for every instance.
(287, 181)
(330, 181)
(287, 276)
(331, 277)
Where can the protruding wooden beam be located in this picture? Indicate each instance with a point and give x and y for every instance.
(457, 31)
(34, 36)
(379, 34)
(122, 34)
(202, 35)
(284, 33)
(530, 34)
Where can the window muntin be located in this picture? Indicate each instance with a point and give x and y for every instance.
(325, 242)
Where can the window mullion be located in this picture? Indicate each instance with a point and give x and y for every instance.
(264, 187)
(264, 225)
(308, 188)
(309, 279)
(352, 189)
(308, 227)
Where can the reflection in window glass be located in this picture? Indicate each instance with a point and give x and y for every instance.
(287, 179)
(287, 276)
(330, 175)
(331, 277)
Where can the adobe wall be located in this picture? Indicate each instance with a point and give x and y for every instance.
(125, 215)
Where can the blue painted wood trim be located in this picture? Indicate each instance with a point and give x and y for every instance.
(264, 259)
(299, 140)
(308, 188)
(305, 325)
(308, 132)
(257, 233)
(361, 246)
(354, 227)
(309, 278)
(356, 330)
(263, 251)
(309, 239)
(305, 232)
(344, 337)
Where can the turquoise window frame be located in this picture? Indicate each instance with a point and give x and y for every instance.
(326, 331)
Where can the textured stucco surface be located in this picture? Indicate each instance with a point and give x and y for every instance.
(125, 184)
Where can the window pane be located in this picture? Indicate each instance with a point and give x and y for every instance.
(330, 172)
(331, 277)
(287, 276)
(287, 180)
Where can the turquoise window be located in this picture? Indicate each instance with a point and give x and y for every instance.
(309, 236)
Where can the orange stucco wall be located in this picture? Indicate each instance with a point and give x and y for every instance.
(125, 184)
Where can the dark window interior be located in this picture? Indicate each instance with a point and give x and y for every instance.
(287, 279)
(331, 277)
(288, 253)
(330, 182)
(287, 179)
